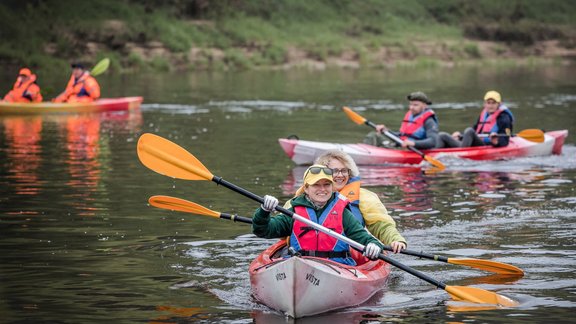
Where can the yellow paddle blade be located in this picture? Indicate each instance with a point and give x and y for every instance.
(488, 265)
(172, 203)
(435, 163)
(480, 296)
(354, 116)
(533, 135)
(100, 67)
(167, 158)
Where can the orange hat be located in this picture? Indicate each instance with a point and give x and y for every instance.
(25, 71)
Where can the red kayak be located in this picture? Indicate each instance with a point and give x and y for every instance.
(303, 286)
(304, 152)
(100, 105)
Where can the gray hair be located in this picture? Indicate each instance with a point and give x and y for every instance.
(343, 157)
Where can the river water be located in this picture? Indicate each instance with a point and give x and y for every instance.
(80, 244)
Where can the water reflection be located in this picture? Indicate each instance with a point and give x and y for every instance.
(83, 146)
(342, 317)
(42, 147)
(172, 314)
(412, 192)
(24, 153)
(417, 198)
(94, 251)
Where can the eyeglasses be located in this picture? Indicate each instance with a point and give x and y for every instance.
(316, 170)
(343, 171)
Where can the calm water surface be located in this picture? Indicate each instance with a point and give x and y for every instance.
(80, 244)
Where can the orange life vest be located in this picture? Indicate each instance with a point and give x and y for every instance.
(83, 89)
(413, 126)
(352, 192)
(27, 91)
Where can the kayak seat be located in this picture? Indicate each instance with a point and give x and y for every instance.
(358, 257)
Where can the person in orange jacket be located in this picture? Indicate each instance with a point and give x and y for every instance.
(25, 88)
(82, 87)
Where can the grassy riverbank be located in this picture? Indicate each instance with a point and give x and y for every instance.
(248, 34)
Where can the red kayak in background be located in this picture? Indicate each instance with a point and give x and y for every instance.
(304, 152)
(100, 105)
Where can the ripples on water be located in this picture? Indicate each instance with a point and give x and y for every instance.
(521, 214)
(74, 203)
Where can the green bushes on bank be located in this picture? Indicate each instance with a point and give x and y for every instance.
(250, 33)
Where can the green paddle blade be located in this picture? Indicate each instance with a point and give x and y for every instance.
(100, 67)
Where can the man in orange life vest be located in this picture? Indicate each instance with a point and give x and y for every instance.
(494, 121)
(82, 87)
(316, 201)
(419, 128)
(25, 88)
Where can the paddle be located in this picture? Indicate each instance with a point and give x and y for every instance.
(100, 67)
(355, 117)
(172, 203)
(532, 134)
(167, 158)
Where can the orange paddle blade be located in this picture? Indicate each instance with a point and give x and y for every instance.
(167, 158)
(533, 135)
(354, 116)
(492, 266)
(435, 163)
(481, 296)
(172, 203)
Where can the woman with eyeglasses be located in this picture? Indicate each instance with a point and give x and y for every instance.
(318, 202)
(365, 205)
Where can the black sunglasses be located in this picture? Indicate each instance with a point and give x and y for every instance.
(316, 170)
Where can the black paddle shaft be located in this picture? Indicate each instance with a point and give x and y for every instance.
(395, 138)
(424, 255)
(248, 220)
(413, 272)
(236, 218)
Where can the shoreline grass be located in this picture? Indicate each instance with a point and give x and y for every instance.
(256, 34)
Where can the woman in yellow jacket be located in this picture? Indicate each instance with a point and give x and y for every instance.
(82, 87)
(365, 205)
(25, 88)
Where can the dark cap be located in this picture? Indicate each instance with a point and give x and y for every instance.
(419, 96)
(77, 66)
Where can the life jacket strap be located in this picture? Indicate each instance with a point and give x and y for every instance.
(325, 254)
